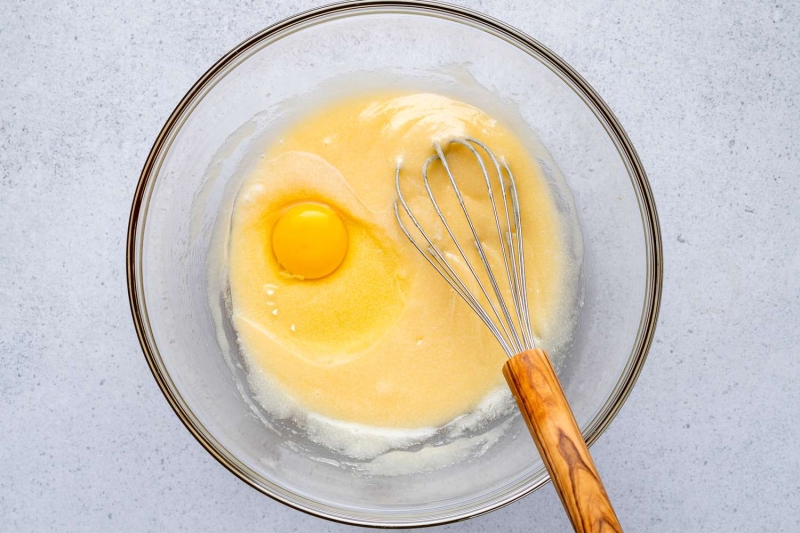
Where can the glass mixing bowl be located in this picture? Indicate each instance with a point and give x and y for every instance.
(196, 165)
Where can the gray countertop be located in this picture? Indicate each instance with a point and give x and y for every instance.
(710, 95)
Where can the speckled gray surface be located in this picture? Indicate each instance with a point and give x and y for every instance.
(710, 95)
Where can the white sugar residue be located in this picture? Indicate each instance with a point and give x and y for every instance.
(389, 451)
(402, 462)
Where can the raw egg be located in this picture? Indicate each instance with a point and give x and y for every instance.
(310, 240)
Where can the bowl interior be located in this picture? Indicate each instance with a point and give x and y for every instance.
(200, 160)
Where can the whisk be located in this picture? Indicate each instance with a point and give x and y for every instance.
(498, 294)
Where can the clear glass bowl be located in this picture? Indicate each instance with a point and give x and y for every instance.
(195, 167)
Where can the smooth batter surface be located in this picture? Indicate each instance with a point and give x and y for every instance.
(383, 340)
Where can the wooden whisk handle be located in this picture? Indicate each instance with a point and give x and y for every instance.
(543, 405)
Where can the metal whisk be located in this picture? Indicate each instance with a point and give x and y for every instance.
(528, 371)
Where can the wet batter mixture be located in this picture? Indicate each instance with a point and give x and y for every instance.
(332, 302)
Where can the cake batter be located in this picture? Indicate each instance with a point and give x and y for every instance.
(332, 302)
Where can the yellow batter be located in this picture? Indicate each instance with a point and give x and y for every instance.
(332, 301)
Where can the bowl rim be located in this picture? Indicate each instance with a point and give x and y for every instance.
(628, 154)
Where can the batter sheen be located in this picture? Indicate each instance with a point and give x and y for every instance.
(382, 340)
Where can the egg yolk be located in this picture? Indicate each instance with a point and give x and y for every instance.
(310, 240)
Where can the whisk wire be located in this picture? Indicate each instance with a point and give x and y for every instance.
(509, 330)
(463, 254)
(523, 284)
(513, 336)
(443, 267)
(507, 248)
(490, 192)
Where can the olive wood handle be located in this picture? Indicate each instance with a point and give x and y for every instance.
(543, 405)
